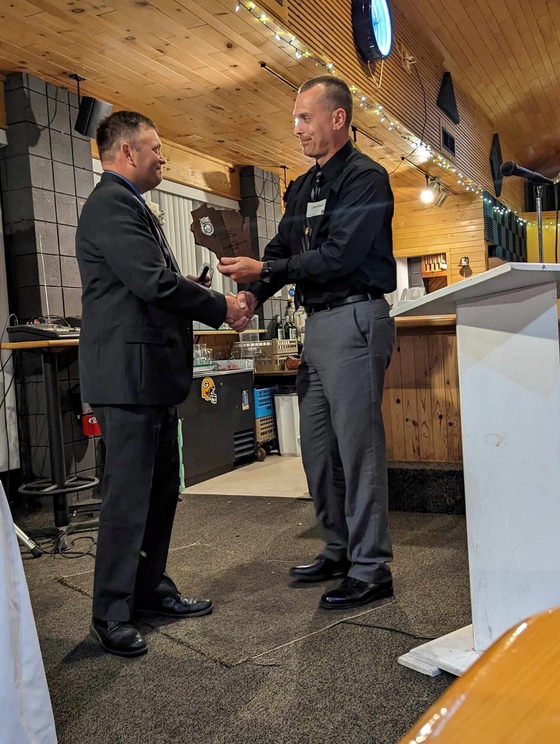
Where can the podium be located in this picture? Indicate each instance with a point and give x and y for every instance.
(509, 384)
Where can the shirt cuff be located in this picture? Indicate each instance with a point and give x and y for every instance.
(279, 269)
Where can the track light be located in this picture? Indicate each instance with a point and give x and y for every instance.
(428, 194)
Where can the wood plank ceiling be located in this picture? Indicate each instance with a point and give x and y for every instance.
(505, 54)
(194, 65)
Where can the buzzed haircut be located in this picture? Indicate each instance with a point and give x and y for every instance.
(118, 127)
(336, 93)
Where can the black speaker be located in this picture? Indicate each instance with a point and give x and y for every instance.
(495, 164)
(91, 112)
(446, 98)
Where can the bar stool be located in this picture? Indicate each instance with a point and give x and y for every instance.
(60, 484)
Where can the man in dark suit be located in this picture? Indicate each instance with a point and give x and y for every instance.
(135, 367)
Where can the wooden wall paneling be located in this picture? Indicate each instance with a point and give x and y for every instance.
(439, 407)
(452, 401)
(393, 407)
(410, 402)
(456, 228)
(387, 420)
(422, 380)
(421, 399)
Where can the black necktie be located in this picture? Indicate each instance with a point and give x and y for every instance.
(317, 185)
(314, 194)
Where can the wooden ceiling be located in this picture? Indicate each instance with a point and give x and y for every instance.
(505, 54)
(195, 67)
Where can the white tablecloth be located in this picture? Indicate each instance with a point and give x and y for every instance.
(25, 706)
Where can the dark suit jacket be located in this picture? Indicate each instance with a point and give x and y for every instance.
(136, 336)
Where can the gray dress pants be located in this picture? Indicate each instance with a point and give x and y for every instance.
(340, 389)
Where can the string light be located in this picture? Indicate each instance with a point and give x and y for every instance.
(424, 150)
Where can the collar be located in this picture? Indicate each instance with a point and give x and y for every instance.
(132, 186)
(334, 165)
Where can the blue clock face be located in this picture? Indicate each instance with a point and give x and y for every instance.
(382, 27)
(372, 28)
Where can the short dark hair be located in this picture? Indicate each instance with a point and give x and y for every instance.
(121, 125)
(336, 93)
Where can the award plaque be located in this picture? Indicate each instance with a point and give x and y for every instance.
(223, 231)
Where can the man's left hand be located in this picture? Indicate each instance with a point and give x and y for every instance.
(241, 269)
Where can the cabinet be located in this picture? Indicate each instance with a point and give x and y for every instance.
(218, 424)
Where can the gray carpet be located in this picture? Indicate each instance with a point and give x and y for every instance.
(248, 576)
(267, 666)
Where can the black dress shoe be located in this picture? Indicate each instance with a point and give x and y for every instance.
(355, 593)
(176, 606)
(120, 638)
(322, 570)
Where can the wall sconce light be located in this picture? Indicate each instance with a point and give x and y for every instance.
(464, 262)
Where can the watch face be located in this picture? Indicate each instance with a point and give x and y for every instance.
(372, 28)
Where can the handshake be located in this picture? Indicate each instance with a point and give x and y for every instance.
(240, 310)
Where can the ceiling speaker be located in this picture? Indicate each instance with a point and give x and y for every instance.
(496, 163)
(91, 112)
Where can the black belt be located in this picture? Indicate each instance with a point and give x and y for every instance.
(364, 297)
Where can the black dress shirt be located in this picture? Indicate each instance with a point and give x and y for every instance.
(350, 244)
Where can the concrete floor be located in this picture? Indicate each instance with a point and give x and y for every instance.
(275, 477)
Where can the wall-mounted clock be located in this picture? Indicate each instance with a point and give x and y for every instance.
(372, 28)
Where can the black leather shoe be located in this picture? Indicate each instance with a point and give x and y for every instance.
(120, 638)
(355, 593)
(176, 606)
(322, 570)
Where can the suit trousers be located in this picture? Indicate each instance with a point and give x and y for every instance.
(340, 390)
(140, 489)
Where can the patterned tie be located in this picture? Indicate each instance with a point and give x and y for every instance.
(317, 184)
(314, 195)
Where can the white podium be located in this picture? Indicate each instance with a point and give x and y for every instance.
(509, 383)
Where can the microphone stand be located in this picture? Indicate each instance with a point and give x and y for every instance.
(538, 201)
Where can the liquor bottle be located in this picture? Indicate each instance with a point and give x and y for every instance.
(290, 330)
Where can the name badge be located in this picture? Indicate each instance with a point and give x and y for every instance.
(314, 209)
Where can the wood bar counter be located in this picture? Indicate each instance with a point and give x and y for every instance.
(421, 402)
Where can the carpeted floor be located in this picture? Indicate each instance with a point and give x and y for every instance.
(267, 666)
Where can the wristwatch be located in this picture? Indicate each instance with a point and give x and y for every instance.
(266, 272)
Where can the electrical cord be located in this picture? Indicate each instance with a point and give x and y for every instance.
(391, 630)
(52, 546)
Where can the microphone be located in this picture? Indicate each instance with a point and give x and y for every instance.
(509, 168)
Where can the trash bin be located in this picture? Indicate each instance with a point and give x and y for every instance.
(287, 423)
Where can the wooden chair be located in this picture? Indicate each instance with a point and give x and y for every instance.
(511, 695)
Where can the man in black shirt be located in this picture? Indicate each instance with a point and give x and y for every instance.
(335, 243)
